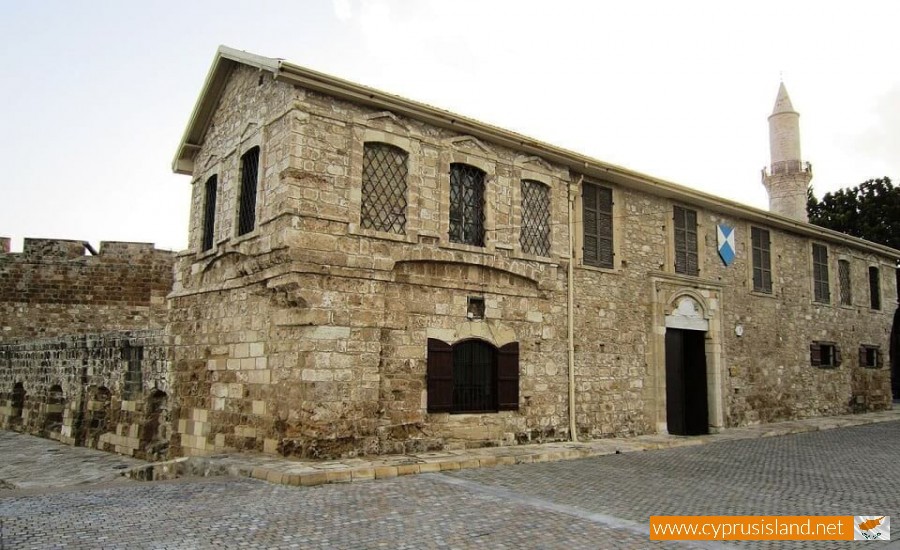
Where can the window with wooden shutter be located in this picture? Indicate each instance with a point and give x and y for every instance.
(686, 256)
(824, 355)
(472, 376)
(762, 260)
(821, 290)
(597, 221)
(508, 377)
(870, 357)
(439, 376)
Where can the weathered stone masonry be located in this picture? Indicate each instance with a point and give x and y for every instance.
(308, 335)
(83, 355)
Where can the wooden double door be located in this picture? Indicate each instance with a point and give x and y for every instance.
(687, 400)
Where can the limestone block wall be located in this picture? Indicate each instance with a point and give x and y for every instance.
(55, 287)
(308, 336)
(107, 391)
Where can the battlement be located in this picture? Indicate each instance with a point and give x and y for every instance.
(71, 249)
(63, 286)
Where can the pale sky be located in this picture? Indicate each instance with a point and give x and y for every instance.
(95, 95)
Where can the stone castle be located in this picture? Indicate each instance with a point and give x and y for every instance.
(367, 274)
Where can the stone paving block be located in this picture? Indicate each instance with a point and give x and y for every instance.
(338, 476)
(318, 478)
(362, 474)
(383, 472)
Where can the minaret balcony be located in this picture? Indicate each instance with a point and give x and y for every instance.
(788, 167)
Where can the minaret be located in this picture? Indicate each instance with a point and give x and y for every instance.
(787, 178)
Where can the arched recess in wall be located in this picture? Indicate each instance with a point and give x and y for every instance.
(53, 410)
(154, 439)
(17, 404)
(97, 414)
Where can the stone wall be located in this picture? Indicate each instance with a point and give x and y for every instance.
(308, 336)
(56, 287)
(107, 391)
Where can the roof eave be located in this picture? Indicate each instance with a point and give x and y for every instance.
(225, 59)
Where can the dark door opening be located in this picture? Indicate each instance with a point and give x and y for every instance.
(687, 405)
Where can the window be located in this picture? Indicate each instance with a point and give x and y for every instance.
(762, 260)
(249, 174)
(597, 204)
(134, 355)
(209, 212)
(475, 307)
(844, 282)
(535, 234)
(472, 376)
(466, 205)
(686, 258)
(870, 357)
(384, 188)
(824, 354)
(874, 288)
(821, 291)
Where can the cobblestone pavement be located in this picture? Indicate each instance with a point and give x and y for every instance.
(600, 502)
(31, 462)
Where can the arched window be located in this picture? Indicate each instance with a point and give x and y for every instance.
(535, 233)
(466, 204)
(472, 376)
(384, 188)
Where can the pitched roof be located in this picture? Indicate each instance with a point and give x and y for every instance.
(227, 58)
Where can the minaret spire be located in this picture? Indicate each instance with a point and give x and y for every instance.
(787, 177)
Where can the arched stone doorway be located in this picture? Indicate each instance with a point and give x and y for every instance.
(155, 428)
(17, 405)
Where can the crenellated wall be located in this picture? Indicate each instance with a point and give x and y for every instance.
(56, 287)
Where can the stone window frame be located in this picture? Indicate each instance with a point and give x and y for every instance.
(876, 296)
(237, 155)
(617, 217)
(518, 213)
(869, 351)
(208, 226)
(825, 354)
(816, 270)
(489, 167)
(702, 228)
(752, 266)
(413, 149)
(848, 261)
(198, 207)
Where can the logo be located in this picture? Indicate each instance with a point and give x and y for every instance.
(726, 243)
(871, 528)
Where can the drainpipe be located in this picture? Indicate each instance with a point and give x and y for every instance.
(573, 431)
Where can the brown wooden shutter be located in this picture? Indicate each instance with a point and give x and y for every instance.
(815, 354)
(879, 358)
(439, 376)
(837, 356)
(862, 356)
(508, 377)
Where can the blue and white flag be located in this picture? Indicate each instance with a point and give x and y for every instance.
(726, 243)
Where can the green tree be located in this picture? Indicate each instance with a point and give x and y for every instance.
(871, 211)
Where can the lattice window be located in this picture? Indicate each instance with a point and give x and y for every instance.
(686, 256)
(466, 204)
(249, 173)
(762, 260)
(384, 188)
(209, 212)
(596, 209)
(821, 288)
(874, 288)
(535, 233)
(844, 281)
